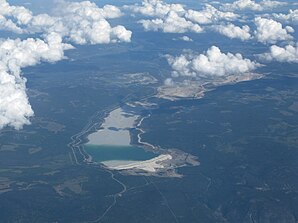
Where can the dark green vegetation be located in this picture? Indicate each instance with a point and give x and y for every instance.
(246, 139)
(39, 179)
(245, 136)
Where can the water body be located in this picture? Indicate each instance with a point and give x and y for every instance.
(115, 129)
(101, 153)
(113, 141)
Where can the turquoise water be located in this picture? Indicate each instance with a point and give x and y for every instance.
(102, 153)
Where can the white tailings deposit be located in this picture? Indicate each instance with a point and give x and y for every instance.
(115, 132)
(115, 129)
(151, 165)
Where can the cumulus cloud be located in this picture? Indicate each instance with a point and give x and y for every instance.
(84, 22)
(252, 5)
(20, 13)
(210, 65)
(172, 23)
(291, 17)
(168, 18)
(76, 22)
(15, 109)
(156, 8)
(79, 22)
(174, 18)
(12, 17)
(7, 24)
(271, 31)
(288, 54)
(210, 15)
(232, 31)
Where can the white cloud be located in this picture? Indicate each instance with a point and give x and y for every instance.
(173, 23)
(78, 22)
(111, 12)
(232, 31)
(15, 109)
(174, 18)
(271, 31)
(210, 15)
(156, 8)
(84, 22)
(186, 39)
(7, 24)
(291, 17)
(288, 54)
(10, 14)
(21, 14)
(267, 4)
(168, 18)
(210, 65)
(252, 5)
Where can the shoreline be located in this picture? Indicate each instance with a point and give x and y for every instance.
(78, 155)
(165, 164)
(141, 132)
(136, 126)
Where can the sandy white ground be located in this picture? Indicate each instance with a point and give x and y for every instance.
(151, 165)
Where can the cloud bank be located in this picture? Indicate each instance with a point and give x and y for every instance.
(232, 31)
(209, 15)
(78, 22)
(155, 8)
(212, 64)
(84, 22)
(174, 18)
(14, 55)
(268, 31)
(291, 17)
(271, 31)
(252, 5)
(168, 18)
(287, 54)
(75, 22)
(172, 23)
